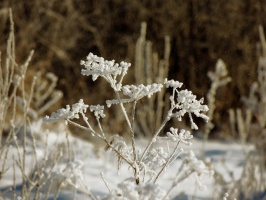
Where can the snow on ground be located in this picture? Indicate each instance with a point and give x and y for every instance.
(224, 157)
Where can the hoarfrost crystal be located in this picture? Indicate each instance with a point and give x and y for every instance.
(183, 136)
(109, 70)
(135, 93)
(98, 111)
(68, 113)
(186, 102)
(172, 83)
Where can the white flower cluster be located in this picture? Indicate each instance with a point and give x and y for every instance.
(97, 110)
(136, 92)
(183, 102)
(183, 136)
(128, 190)
(172, 83)
(68, 113)
(109, 70)
(189, 104)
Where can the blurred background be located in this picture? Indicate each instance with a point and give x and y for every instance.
(201, 31)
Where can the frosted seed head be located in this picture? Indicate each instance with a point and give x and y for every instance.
(97, 110)
(68, 112)
(172, 83)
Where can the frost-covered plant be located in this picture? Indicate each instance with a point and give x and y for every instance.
(147, 165)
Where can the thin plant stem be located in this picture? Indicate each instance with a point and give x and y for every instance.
(155, 135)
(167, 162)
(177, 181)
(105, 140)
(100, 127)
(81, 127)
(49, 189)
(124, 111)
(14, 177)
(106, 184)
(58, 191)
(136, 172)
(132, 133)
(119, 154)
(87, 123)
(133, 113)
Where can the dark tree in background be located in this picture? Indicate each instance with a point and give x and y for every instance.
(64, 32)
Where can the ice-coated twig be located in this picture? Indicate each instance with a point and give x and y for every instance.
(135, 93)
(181, 137)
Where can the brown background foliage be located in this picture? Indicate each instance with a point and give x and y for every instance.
(64, 32)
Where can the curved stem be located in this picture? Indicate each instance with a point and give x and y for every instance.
(100, 127)
(119, 154)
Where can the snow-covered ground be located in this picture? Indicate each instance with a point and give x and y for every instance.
(224, 157)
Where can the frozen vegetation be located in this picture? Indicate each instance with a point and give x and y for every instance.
(41, 159)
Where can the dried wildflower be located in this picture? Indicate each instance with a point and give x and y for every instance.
(172, 83)
(183, 136)
(68, 113)
(97, 110)
(136, 92)
(151, 159)
(109, 70)
(183, 102)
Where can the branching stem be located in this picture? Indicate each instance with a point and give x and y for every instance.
(155, 135)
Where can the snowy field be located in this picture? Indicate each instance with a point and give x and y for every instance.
(225, 157)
